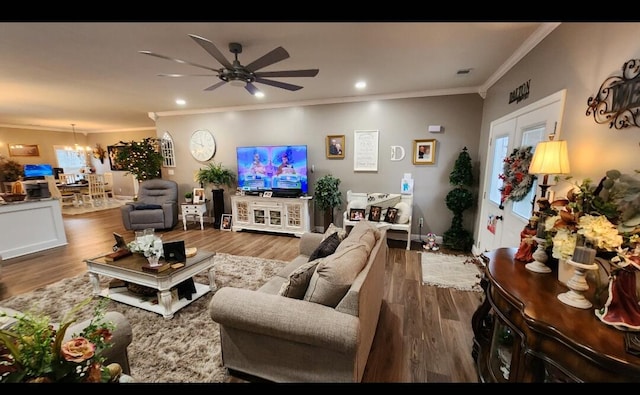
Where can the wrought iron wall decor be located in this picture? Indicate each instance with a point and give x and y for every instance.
(618, 99)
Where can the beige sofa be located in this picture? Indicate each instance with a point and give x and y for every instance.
(313, 334)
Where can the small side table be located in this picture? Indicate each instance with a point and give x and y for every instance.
(195, 209)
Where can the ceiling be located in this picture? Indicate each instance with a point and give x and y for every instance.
(53, 74)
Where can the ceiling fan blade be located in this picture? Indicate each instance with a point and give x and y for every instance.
(177, 60)
(278, 84)
(251, 88)
(270, 58)
(212, 50)
(289, 73)
(216, 85)
(186, 75)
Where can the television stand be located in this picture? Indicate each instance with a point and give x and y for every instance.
(274, 214)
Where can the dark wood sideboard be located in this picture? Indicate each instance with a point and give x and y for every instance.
(523, 333)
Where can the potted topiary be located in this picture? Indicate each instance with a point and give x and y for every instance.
(217, 175)
(327, 196)
(459, 199)
(188, 197)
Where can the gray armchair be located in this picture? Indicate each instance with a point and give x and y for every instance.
(156, 207)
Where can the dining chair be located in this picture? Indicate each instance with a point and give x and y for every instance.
(62, 196)
(66, 178)
(94, 193)
(108, 184)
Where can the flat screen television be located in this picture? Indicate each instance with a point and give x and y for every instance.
(37, 172)
(281, 169)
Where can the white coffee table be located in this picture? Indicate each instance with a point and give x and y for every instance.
(129, 269)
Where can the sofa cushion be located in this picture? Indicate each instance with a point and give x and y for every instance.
(298, 281)
(327, 247)
(404, 212)
(335, 274)
(363, 232)
(342, 233)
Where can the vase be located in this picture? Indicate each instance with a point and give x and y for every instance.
(153, 260)
(622, 310)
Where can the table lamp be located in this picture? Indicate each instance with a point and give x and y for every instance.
(549, 157)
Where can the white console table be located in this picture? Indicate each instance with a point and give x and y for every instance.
(280, 215)
(30, 226)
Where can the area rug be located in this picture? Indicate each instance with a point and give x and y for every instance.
(184, 349)
(88, 208)
(451, 271)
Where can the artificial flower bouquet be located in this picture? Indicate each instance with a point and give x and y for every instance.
(32, 350)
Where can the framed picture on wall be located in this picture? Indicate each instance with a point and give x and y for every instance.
(424, 152)
(198, 195)
(225, 223)
(112, 152)
(23, 150)
(335, 146)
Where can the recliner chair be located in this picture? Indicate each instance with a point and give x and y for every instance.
(156, 207)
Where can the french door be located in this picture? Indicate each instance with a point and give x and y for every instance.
(501, 224)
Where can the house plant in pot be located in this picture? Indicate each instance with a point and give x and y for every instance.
(10, 171)
(327, 196)
(188, 197)
(217, 175)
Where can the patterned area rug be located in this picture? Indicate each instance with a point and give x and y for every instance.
(451, 271)
(184, 349)
(88, 208)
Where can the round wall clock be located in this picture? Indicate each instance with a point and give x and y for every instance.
(202, 145)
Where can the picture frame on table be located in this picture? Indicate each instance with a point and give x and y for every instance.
(225, 222)
(335, 146)
(391, 215)
(424, 152)
(375, 213)
(198, 195)
(356, 214)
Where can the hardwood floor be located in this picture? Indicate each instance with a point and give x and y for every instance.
(424, 333)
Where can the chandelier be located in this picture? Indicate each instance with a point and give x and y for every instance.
(80, 150)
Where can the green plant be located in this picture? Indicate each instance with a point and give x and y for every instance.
(141, 158)
(10, 170)
(458, 200)
(188, 195)
(215, 174)
(327, 195)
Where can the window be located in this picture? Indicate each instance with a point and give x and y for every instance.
(70, 161)
(168, 155)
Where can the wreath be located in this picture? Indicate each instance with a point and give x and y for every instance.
(516, 180)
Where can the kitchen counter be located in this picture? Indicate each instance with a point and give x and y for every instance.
(30, 226)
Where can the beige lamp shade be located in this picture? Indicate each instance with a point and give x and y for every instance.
(550, 157)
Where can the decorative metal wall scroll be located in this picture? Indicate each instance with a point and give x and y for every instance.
(618, 99)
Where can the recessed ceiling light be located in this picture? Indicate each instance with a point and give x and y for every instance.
(259, 95)
(181, 102)
(361, 85)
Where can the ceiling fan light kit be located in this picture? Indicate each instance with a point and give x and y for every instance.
(238, 75)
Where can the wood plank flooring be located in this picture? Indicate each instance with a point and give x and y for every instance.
(424, 333)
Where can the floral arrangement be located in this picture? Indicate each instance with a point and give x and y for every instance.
(606, 215)
(31, 350)
(148, 244)
(516, 180)
(99, 153)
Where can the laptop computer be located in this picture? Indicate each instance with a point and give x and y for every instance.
(174, 251)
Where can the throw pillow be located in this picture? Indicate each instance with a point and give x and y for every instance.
(335, 274)
(144, 206)
(327, 247)
(296, 285)
(404, 212)
(342, 233)
(383, 200)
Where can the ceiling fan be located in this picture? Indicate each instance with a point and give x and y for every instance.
(238, 75)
